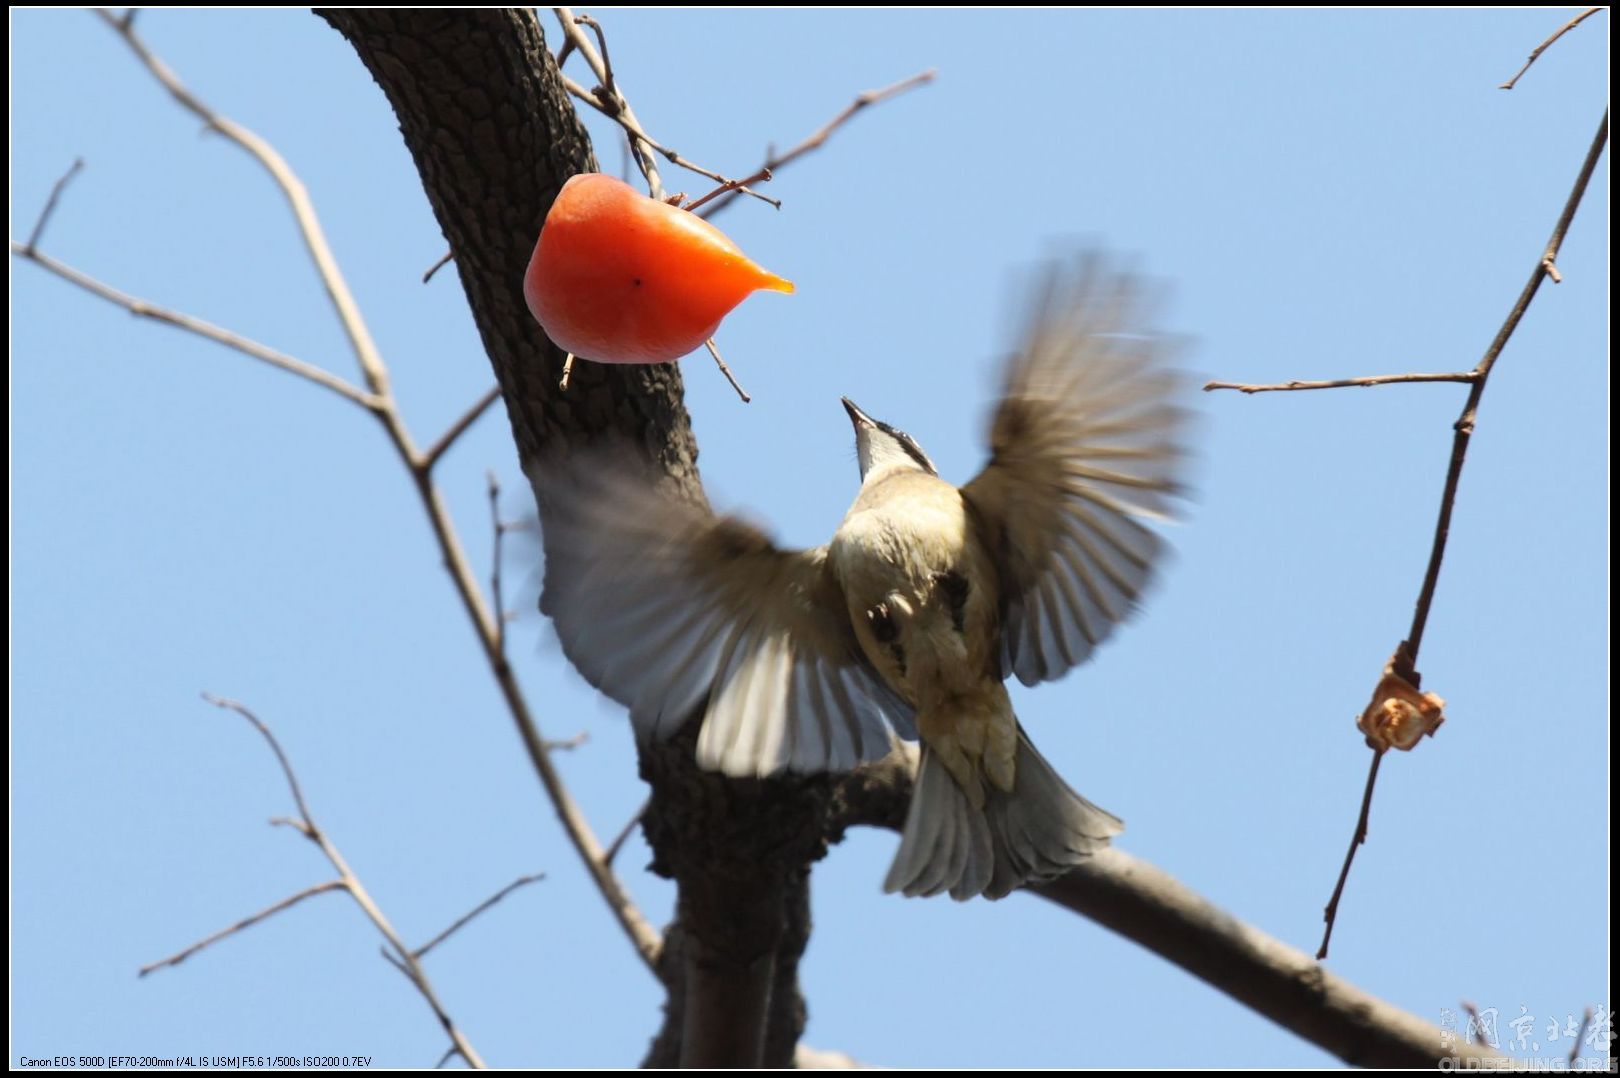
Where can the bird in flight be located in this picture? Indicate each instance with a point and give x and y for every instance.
(927, 598)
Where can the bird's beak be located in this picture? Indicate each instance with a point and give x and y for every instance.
(856, 416)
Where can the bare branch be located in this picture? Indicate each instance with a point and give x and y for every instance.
(461, 922)
(459, 427)
(281, 758)
(1465, 423)
(644, 937)
(633, 129)
(761, 176)
(246, 922)
(615, 107)
(309, 225)
(405, 961)
(499, 540)
(1476, 1023)
(1331, 913)
(625, 832)
(1541, 48)
(444, 260)
(1546, 267)
(606, 72)
(50, 206)
(714, 350)
(614, 104)
(619, 111)
(297, 825)
(388, 956)
(1580, 1034)
(564, 51)
(567, 744)
(1152, 908)
(142, 309)
(1375, 380)
(773, 162)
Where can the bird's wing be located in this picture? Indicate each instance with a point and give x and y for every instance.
(1084, 449)
(671, 610)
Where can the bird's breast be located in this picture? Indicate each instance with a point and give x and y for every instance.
(919, 590)
(900, 531)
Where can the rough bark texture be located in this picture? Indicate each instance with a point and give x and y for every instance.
(494, 136)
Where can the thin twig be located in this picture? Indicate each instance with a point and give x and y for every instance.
(633, 129)
(773, 162)
(281, 758)
(1331, 913)
(347, 880)
(461, 922)
(499, 530)
(642, 935)
(567, 372)
(1375, 380)
(725, 370)
(444, 260)
(614, 101)
(50, 206)
(247, 922)
(387, 956)
(1465, 423)
(1541, 48)
(607, 62)
(309, 225)
(287, 821)
(610, 101)
(625, 833)
(459, 427)
(142, 309)
(1476, 1022)
(761, 176)
(1575, 1049)
(1408, 651)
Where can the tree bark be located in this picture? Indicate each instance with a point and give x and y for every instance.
(494, 137)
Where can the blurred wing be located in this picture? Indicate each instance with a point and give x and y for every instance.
(1083, 450)
(670, 610)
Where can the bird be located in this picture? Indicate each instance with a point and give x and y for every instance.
(908, 622)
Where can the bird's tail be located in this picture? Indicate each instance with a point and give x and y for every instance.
(1037, 832)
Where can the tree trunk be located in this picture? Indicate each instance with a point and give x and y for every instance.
(494, 137)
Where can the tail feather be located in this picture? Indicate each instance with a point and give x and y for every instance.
(1038, 832)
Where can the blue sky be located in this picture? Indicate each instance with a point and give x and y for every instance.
(1330, 195)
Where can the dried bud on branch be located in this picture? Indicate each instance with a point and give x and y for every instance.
(1399, 714)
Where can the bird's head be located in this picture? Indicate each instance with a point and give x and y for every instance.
(882, 447)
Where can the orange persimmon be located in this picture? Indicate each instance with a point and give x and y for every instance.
(618, 277)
